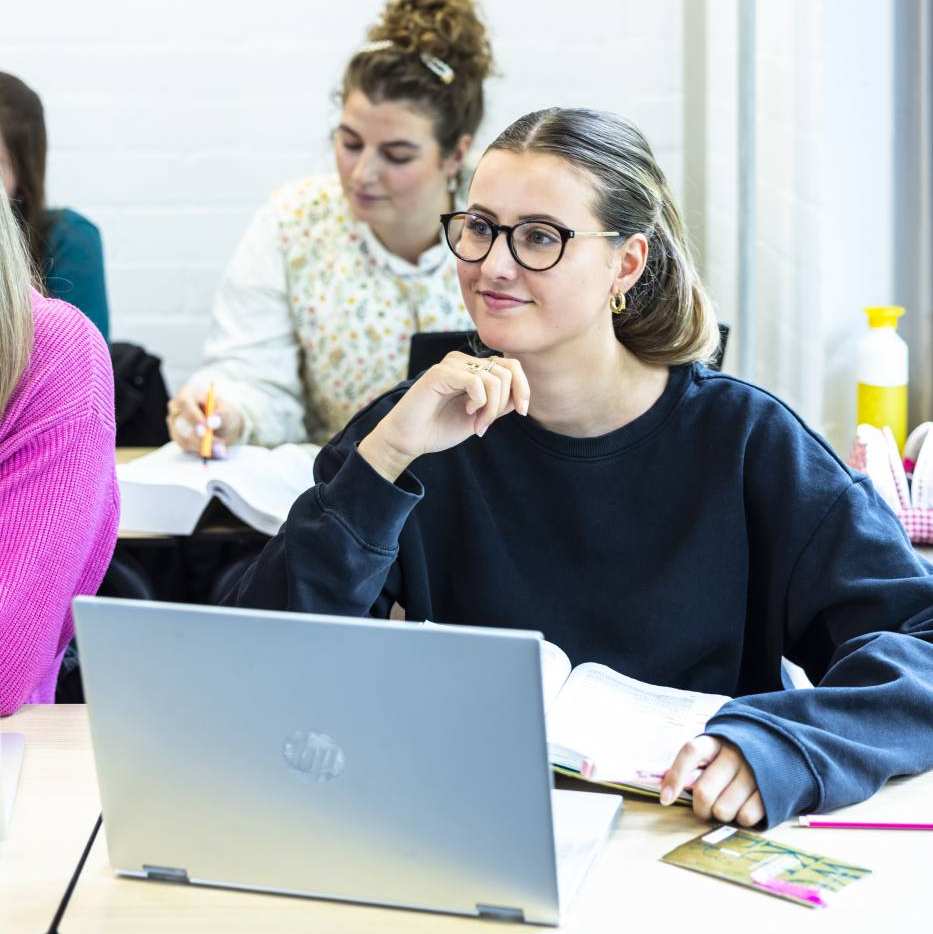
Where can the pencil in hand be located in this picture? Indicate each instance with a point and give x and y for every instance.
(207, 439)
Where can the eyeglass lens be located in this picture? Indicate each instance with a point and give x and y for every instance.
(537, 244)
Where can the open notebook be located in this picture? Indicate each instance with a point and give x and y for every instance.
(613, 730)
(166, 491)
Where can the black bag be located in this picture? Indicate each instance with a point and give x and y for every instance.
(140, 395)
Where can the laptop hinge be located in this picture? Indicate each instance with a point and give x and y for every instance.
(166, 873)
(500, 913)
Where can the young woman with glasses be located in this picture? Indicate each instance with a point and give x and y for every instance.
(598, 483)
(315, 315)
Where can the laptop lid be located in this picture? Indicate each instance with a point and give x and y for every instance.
(350, 759)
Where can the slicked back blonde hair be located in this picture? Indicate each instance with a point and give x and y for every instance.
(669, 318)
(15, 304)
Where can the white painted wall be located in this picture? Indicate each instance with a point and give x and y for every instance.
(171, 121)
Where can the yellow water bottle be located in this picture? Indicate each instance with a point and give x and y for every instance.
(882, 373)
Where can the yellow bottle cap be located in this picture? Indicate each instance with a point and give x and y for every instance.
(883, 316)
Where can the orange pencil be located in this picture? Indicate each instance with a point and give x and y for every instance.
(207, 439)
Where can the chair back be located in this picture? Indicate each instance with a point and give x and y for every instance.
(430, 347)
(721, 351)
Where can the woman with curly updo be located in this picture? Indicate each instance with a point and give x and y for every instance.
(335, 273)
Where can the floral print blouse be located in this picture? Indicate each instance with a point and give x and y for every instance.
(314, 316)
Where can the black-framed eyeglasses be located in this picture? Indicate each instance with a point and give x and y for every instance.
(535, 245)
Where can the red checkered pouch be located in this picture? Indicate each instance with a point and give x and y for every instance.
(874, 452)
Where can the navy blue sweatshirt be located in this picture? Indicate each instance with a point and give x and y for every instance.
(692, 547)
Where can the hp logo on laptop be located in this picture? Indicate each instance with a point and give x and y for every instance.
(313, 756)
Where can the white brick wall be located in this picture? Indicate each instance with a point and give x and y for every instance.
(170, 121)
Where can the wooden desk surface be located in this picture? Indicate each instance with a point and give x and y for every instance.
(125, 455)
(58, 802)
(54, 812)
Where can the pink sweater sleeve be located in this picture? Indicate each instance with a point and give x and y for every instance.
(59, 501)
(59, 511)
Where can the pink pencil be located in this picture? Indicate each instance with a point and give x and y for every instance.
(781, 887)
(658, 776)
(859, 825)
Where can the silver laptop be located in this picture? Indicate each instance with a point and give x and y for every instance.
(369, 761)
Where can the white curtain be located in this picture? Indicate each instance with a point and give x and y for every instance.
(913, 191)
(841, 208)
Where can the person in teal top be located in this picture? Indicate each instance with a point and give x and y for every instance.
(65, 247)
(74, 265)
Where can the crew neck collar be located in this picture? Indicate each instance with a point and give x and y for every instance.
(621, 438)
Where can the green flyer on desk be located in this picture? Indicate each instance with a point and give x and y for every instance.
(766, 865)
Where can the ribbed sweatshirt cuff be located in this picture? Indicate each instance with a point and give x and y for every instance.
(786, 782)
(371, 507)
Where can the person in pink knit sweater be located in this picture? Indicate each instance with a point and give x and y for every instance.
(59, 500)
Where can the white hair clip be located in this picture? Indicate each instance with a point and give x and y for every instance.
(431, 62)
(380, 45)
(439, 67)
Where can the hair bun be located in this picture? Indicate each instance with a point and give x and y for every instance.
(447, 29)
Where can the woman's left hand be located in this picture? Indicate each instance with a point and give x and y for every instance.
(725, 790)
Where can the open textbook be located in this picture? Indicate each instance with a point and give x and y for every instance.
(613, 730)
(166, 491)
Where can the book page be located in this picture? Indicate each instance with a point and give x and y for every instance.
(625, 727)
(168, 465)
(260, 484)
(555, 667)
(163, 492)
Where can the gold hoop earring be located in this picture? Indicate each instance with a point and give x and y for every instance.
(617, 303)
